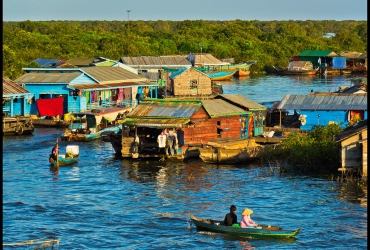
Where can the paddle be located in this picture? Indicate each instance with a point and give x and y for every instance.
(57, 149)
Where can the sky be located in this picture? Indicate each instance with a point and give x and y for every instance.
(179, 10)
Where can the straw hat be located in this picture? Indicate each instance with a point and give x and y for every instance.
(247, 212)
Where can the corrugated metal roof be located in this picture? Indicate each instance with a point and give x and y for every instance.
(243, 101)
(109, 85)
(218, 107)
(164, 109)
(354, 129)
(11, 88)
(205, 59)
(81, 61)
(112, 74)
(44, 77)
(156, 61)
(179, 72)
(353, 55)
(314, 102)
(147, 122)
(329, 53)
(182, 70)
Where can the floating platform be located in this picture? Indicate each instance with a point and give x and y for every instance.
(17, 125)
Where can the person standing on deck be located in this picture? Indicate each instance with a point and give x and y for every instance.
(169, 143)
(161, 142)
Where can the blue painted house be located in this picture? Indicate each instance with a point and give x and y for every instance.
(86, 88)
(16, 100)
(340, 108)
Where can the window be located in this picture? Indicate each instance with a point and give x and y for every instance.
(193, 84)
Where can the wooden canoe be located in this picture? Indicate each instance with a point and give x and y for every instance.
(220, 76)
(242, 72)
(262, 231)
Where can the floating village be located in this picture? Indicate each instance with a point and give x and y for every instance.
(173, 107)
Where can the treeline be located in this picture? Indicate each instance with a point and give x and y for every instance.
(271, 43)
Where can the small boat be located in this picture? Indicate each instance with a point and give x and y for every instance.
(71, 156)
(242, 72)
(262, 231)
(295, 72)
(220, 76)
(50, 123)
(217, 88)
(96, 122)
(297, 68)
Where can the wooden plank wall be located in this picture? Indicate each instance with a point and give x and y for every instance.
(205, 128)
(364, 153)
(181, 84)
(353, 153)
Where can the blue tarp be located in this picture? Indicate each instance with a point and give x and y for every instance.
(339, 62)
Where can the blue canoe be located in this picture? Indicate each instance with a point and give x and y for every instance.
(220, 76)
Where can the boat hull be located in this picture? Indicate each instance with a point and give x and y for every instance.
(241, 73)
(63, 161)
(255, 232)
(221, 76)
(296, 72)
(38, 123)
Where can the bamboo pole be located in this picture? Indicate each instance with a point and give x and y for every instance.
(57, 154)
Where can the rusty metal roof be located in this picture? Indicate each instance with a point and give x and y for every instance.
(152, 122)
(319, 102)
(353, 55)
(176, 109)
(219, 107)
(81, 62)
(243, 101)
(112, 75)
(208, 59)
(156, 61)
(10, 88)
(96, 86)
(47, 77)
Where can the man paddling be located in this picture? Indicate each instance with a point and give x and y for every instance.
(231, 217)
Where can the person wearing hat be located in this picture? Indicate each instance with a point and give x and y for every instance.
(246, 219)
(231, 217)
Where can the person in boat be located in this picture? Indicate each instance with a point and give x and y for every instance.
(246, 219)
(231, 217)
(54, 152)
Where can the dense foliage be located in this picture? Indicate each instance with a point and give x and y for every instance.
(313, 153)
(271, 43)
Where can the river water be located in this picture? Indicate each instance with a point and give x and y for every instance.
(106, 203)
